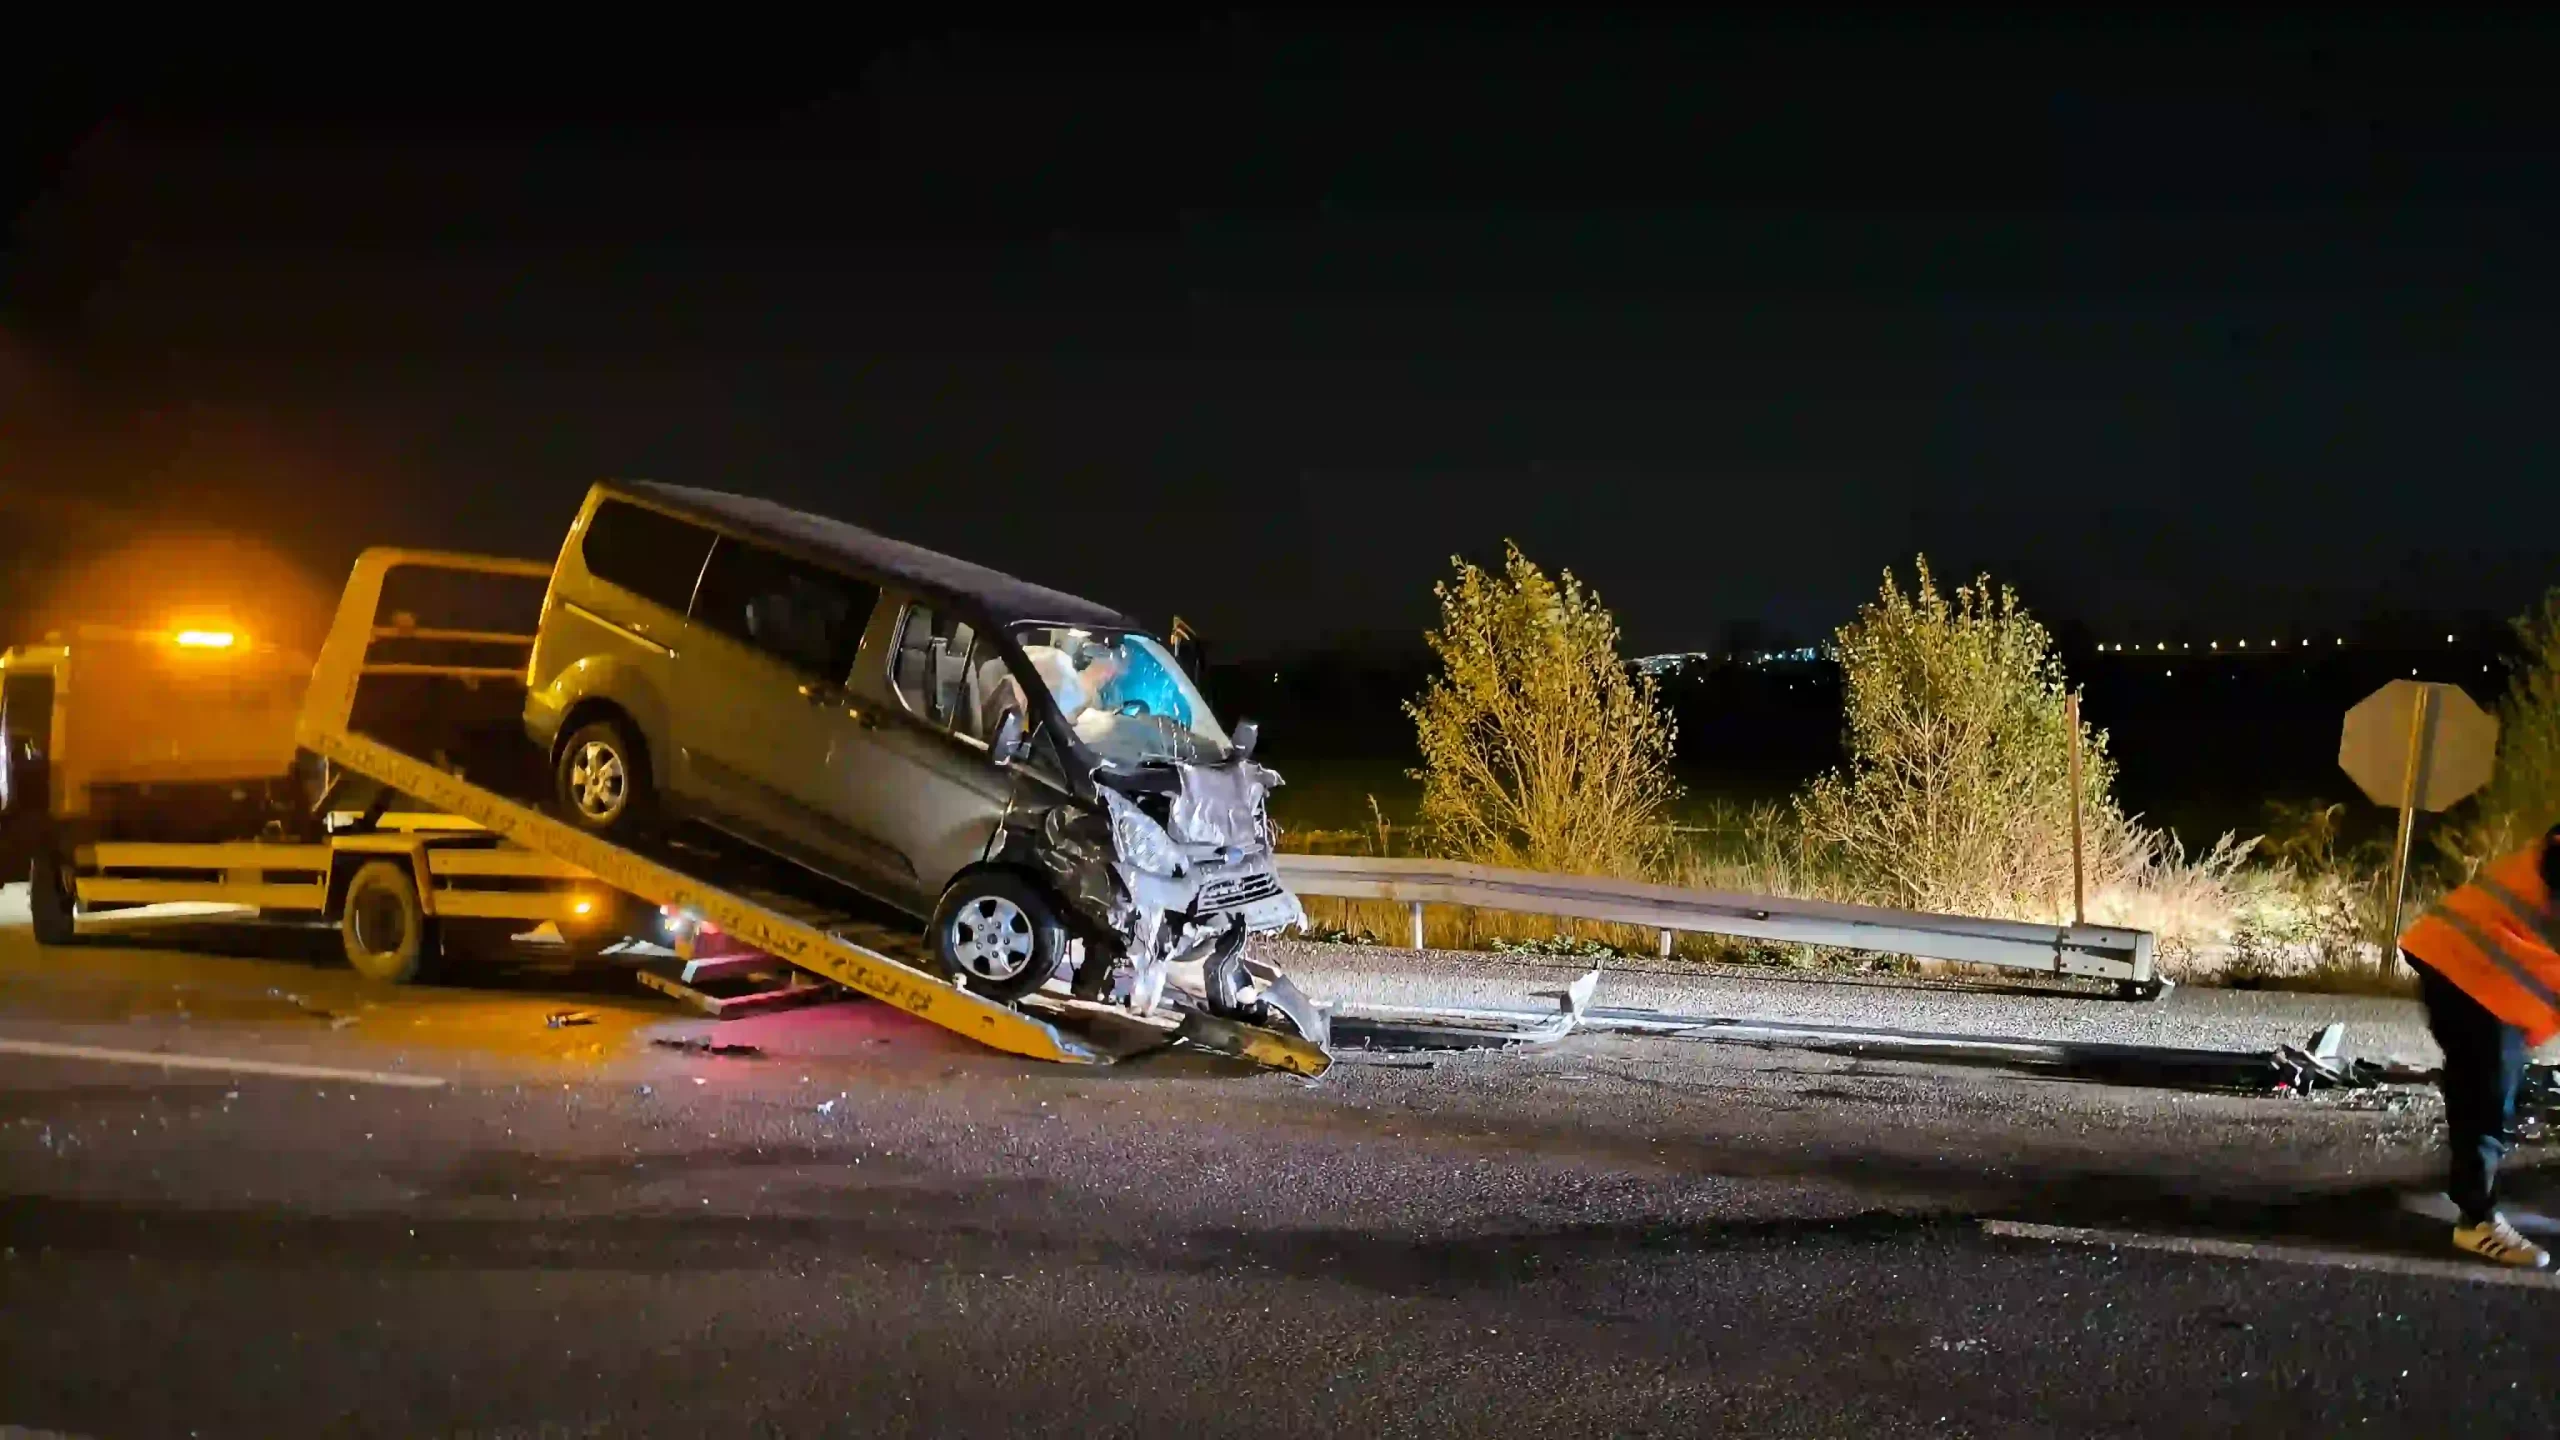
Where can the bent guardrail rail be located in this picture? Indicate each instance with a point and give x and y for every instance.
(2103, 952)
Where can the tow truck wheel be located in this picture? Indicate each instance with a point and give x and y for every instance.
(602, 782)
(384, 927)
(51, 901)
(996, 935)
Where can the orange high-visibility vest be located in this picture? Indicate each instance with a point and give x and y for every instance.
(2499, 939)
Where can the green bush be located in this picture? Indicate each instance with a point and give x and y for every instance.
(1956, 795)
(1541, 747)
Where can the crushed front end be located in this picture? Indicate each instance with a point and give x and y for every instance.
(1174, 870)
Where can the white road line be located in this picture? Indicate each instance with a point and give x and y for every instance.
(2478, 1272)
(225, 1063)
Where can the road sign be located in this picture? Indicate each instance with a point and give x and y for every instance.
(2433, 729)
(2416, 746)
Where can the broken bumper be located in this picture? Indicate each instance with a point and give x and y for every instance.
(1210, 894)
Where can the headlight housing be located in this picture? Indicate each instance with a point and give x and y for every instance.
(1139, 839)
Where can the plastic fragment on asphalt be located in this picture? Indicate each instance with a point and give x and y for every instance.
(695, 1045)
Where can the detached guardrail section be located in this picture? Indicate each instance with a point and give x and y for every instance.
(2100, 952)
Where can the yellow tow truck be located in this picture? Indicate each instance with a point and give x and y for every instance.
(144, 767)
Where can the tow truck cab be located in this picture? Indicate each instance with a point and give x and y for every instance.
(118, 734)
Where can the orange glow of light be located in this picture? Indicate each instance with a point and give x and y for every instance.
(159, 584)
(582, 907)
(206, 639)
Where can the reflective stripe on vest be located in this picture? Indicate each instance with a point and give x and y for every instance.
(2498, 939)
(2498, 956)
(2536, 918)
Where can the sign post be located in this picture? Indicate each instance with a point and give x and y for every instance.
(2416, 746)
(2079, 871)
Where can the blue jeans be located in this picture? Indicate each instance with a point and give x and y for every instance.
(2484, 1059)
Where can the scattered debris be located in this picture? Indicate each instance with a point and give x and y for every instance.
(695, 1045)
(828, 1107)
(561, 1019)
(2401, 1070)
(2537, 1102)
(338, 1020)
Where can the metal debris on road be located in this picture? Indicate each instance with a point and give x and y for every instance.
(560, 1019)
(338, 1019)
(1400, 1027)
(696, 1046)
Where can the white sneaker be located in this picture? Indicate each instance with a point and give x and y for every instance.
(2500, 1242)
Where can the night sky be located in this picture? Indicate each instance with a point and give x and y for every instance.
(1260, 320)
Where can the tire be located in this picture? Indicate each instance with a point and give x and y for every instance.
(601, 782)
(386, 932)
(51, 901)
(996, 935)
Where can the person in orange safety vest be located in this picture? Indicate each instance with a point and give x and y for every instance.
(2488, 963)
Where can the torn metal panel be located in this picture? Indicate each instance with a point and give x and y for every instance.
(1147, 962)
(1293, 1053)
(1404, 1027)
(1072, 850)
(1222, 805)
(1282, 994)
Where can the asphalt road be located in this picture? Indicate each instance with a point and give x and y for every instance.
(870, 1228)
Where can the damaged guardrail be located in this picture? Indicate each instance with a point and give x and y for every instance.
(2102, 952)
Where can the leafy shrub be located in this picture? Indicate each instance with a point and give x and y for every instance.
(1956, 796)
(1541, 748)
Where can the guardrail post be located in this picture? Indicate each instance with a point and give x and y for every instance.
(1415, 909)
(1666, 944)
